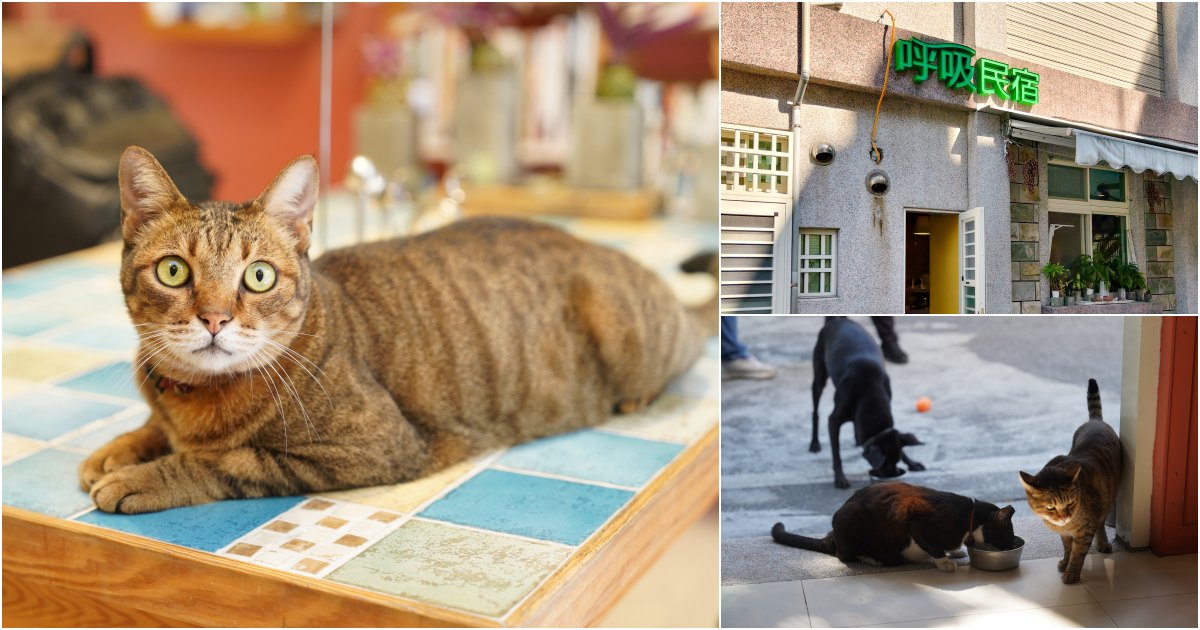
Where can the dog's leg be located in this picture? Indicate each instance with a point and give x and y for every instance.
(839, 478)
(818, 386)
(913, 465)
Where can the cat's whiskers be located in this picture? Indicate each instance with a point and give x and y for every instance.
(286, 381)
(291, 355)
(274, 395)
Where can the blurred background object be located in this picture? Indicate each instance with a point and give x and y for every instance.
(581, 110)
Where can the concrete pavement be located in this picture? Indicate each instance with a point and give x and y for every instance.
(1007, 392)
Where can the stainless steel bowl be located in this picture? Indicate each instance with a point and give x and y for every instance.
(997, 560)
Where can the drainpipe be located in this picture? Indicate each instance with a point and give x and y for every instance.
(805, 75)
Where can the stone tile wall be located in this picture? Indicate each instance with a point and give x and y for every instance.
(1024, 209)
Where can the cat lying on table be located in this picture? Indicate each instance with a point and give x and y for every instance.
(267, 374)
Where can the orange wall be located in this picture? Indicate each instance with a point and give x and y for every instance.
(253, 108)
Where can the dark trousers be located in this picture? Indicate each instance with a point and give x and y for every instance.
(731, 348)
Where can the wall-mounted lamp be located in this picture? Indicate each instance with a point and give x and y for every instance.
(922, 226)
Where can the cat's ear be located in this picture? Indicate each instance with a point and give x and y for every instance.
(1005, 513)
(146, 190)
(1028, 481)
(292, 197)
(1072, 470)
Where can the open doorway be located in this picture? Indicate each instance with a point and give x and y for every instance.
(931, 263)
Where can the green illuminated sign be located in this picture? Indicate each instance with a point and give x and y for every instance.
(952, 63)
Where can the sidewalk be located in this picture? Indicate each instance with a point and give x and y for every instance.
(1123, 590)
(1007, 396)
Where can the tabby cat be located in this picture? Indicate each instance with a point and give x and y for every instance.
(1074, 493)
(891, 523)
(266, 374)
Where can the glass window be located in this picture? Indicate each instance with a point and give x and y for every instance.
(1108, 236)
(1067, 182)
(816, 263)
(1106, 185)
(1067, 243)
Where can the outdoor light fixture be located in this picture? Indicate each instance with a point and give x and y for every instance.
(922, 226)
(878, 183)
(823, 153)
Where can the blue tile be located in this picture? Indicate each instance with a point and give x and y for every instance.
(25, 324)
(45, 415)
(594, 456)
(47, 483)
(536, 507)
(114, 379)
(115, 337)
(49, 275)
(95, 439)
(205, 527)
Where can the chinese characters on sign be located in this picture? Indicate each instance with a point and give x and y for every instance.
(954, 68)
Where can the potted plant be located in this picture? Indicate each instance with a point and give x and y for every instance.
(1085, 271)
(1103, 269)
(1073, 286)
(1137, 281)
(1054, 273)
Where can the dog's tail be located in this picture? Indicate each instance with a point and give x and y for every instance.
(824, 545)
(1093, 399)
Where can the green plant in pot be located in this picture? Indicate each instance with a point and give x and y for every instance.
(1127, 279)
(1105, 272)
(1073, 286)
(1054, 273)
(1085, 271)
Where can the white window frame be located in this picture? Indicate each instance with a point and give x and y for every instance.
(1088, 207)
(785, 171)
(802, 270)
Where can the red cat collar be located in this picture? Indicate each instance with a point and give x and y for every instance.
(163, 383)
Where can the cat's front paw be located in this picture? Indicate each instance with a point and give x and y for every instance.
(1103, 546)
(134, 490)
(107, 459)
(1062, 565)
(841, 482)
(945, 564)
(814, 447)
(1069, 577)
(916, 466)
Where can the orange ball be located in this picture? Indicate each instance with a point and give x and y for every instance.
(924, 404)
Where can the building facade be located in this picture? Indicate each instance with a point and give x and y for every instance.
(1009, 136)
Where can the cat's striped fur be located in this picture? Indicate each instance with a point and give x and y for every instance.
(1074, 493)
(375, 364)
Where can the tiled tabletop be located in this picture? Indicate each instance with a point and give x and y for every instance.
(477, 538)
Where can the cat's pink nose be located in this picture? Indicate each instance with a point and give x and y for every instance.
(214, 321)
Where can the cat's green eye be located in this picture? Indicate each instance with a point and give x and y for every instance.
(259, 277)
(172, 271)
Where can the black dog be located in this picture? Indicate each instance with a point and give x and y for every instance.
(846, 353)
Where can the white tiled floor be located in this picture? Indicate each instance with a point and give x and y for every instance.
(1117, 590)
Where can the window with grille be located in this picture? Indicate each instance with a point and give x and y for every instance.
(816, 265)
(755, 161)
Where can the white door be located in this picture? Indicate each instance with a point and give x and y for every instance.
(970, 238)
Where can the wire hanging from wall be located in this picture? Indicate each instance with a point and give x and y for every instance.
(877, 153)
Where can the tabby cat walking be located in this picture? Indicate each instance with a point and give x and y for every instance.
(1074, 493)
(266, 374)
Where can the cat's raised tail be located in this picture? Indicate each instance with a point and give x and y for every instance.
(784, 537)
(1093, 398)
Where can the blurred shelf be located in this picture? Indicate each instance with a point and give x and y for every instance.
(561, 201)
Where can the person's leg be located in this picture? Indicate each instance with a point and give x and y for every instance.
(885, 326)
(731, 348)
(736, 361)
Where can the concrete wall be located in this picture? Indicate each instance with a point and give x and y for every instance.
(927, 155)
(943, 20)
(1179, 50)
(756, 100)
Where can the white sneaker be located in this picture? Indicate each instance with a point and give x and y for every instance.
(747, 368)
